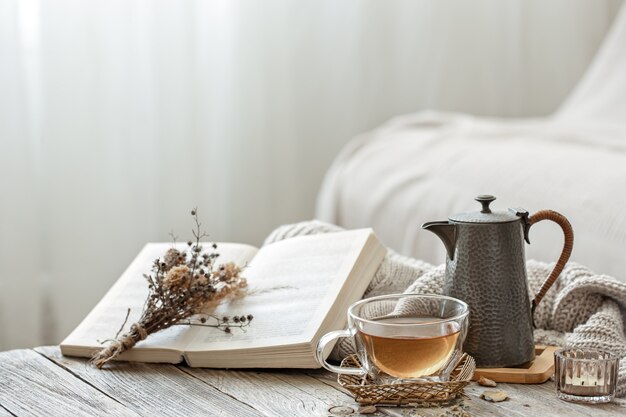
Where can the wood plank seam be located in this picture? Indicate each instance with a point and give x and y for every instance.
(78, 377)
(330, 384)
(8, 411)
(276, 392)
(223, 392)
(286, 380)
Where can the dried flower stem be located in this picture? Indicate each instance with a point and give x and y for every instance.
(225, 323)
(123, 324)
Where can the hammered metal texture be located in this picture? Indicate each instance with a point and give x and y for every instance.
(489, 273)
(496, 216)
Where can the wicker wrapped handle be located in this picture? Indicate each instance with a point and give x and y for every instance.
(568, 232)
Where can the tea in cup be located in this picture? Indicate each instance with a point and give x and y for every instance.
(403, 337)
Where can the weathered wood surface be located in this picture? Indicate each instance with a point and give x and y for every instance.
(31, 385)
(525, 400)
(42, 382)
(146, 388)
(276, 393)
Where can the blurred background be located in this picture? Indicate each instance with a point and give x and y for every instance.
(118, 117)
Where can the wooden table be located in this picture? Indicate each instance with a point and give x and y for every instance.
(41, 382)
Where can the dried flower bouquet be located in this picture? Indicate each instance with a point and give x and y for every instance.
(185, 287)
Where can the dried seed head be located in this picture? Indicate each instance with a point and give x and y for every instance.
(172, 258)
(177, 278)
(226, 272)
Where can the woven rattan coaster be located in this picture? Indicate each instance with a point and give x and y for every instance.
(366, 392)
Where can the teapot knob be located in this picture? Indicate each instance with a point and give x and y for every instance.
(485, 200)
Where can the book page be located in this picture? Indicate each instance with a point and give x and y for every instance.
(130, 291)
(292, 286)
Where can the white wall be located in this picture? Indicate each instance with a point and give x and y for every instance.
(116, 117)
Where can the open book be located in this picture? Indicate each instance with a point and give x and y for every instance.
(298, 290)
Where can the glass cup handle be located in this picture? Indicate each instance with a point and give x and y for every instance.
(321, 347)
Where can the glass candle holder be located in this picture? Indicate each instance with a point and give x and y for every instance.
(586, 376)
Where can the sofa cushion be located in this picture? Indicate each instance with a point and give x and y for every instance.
(428, 165)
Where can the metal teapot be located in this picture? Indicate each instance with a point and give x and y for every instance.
(486, 268)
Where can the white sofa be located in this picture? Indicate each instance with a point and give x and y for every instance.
(425, 166)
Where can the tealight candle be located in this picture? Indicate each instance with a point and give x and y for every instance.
(588, 376)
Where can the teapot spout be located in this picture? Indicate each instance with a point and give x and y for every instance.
(446, 232)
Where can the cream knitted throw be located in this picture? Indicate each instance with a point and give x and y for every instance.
(581, 310)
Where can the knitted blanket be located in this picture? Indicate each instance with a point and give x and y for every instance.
(581, 310)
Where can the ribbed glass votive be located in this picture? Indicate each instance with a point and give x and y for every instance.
(587, 376)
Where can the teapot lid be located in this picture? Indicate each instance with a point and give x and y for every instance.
(486, 215)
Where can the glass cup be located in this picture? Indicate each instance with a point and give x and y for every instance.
(403, 337)
(587, 376)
